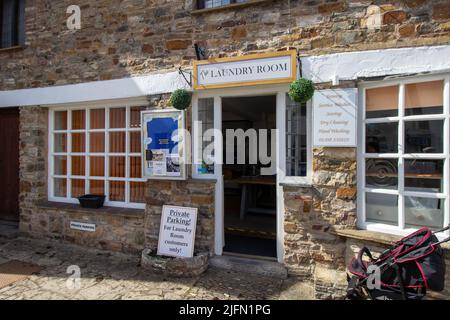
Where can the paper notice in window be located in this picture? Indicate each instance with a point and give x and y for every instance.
(158, 168)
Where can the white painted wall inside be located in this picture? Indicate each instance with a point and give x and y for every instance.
(344, 66)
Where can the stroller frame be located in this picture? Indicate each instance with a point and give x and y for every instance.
(357, 282)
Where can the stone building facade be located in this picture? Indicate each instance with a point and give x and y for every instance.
(145, 38)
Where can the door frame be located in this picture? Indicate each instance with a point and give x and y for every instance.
(267, 90)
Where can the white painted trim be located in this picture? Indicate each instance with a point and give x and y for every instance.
(219, 222)
(281, 174)
(374, 63)
(95, 91)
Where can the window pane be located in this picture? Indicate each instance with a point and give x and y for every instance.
(60, 164)
(60, 120)
(424, 175)
(78, 166)
(135, 167)
(117, 117)
(135, 116)
(135, 142)
(382, 138)
(97, 187)
(97, 119)
(382, 102)
(424, 98)
(97, 167)
(77, 188)
(424, 136)
(424, 212)
(382, 173)
(117, 142)
(296, 139)
(78, 119)
(78, 142)
(97, 142)
(382, 208)
(137, 192)
(60, 142)
(206, 117)
(60, 186)
(117, 191)
(117, 167)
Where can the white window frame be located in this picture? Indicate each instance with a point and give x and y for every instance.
(284, 178)
(107, 105)
(400, 229)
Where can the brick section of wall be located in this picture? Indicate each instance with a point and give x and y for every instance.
(191, 193)
(132, 37)
(312, 250)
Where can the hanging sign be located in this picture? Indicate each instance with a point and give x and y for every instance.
(177, 231)
(334, 118)
(163, 144)
(269, 68)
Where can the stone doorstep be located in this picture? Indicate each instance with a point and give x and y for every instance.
(8, 230)
(251, 266)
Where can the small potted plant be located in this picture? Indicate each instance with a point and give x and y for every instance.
(180, 99)
(301, 90)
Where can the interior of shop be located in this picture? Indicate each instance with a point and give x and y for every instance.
(250, 197)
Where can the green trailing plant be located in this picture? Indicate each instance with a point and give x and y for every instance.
(180, 99)
(301, 90)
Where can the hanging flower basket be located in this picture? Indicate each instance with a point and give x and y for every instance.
(301, 90)
(180, 99)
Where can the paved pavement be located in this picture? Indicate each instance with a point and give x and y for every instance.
(106, 275)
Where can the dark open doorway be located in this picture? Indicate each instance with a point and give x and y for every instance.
(9, 165)
(249, 197)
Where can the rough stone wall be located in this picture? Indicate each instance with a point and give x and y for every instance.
(189, 193)
(32, 162)
(114, 230)
(121, 38)
(312, 250)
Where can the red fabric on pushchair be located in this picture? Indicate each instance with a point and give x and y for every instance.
(414, 264)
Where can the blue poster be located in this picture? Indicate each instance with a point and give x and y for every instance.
(160, 131)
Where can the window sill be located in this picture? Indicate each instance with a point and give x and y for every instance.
(16, 48)
(125, 212)
(229, 6)
(375, 236)
(296, 184)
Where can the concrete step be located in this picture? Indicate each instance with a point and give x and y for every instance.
(260, 267)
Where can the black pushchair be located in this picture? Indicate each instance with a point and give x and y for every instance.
(404, 272)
